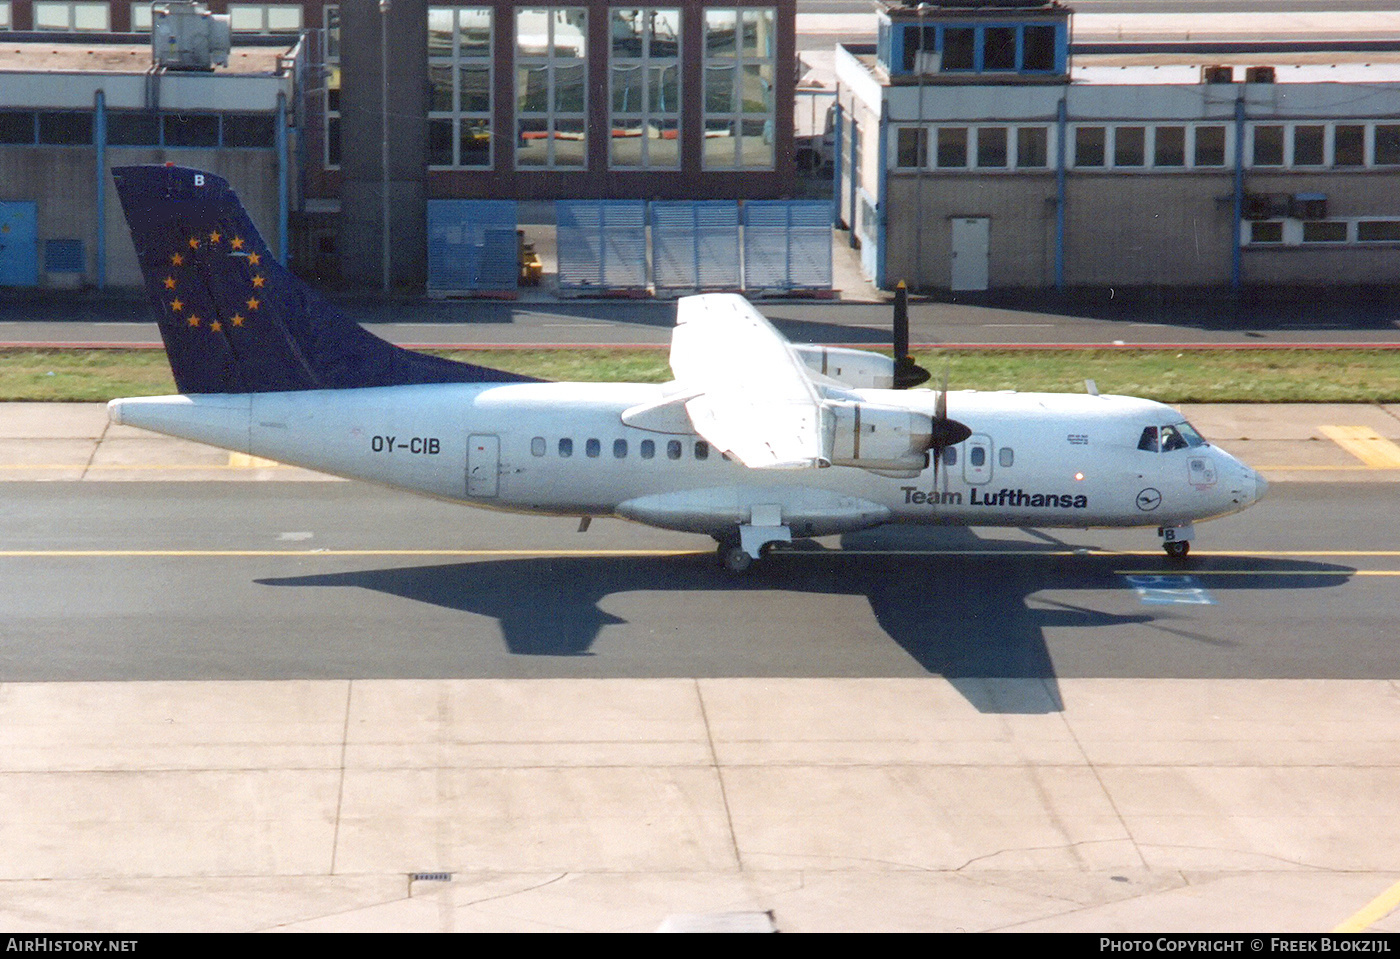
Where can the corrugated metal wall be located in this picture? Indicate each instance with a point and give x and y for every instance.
(472, 246)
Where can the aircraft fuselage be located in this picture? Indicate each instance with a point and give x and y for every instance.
(1038, 460)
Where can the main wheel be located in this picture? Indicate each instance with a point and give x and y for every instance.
(734, 559)
(1178, 549)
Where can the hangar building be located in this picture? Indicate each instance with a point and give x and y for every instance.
(981, 148)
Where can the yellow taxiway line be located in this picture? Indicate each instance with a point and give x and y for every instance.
(1018, 553)
(1373, 911)
(1365, 444)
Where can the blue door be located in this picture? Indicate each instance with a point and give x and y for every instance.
(19, 246)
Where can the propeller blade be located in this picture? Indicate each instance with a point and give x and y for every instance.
(907, 373)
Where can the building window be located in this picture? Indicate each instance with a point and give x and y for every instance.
(959, 48)
(991, 147)
(551, 100)
(263, 17)
(1378, 231)
(17, 127)
(644, 80)
(999, 48)
(952, 148)
(1210, 146)
(911, 147)
(6, 21)
(740, 103)
(1268, 146)
(1169, 147)
(1038, 49)
(140, 16)
(1089, 146)
(1324, 231)
(330, 52)
(460, 84)
(1130, 146)
(1307, 145)
(1387, 144)
(72, 16)
(1266, 231)
(66, 128)
(1349, 145)
(1032, 147)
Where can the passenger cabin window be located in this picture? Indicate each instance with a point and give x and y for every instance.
(648, 449)
(1006, 456)
(673, 449)
(566, 448)
(702, 450)
(537, 446)
(950, 456)
(619, 449)
(592, 448)
(977, 456)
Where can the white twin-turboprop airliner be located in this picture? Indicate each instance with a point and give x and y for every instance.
(755, 441)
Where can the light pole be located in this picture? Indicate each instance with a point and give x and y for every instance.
(384, 138)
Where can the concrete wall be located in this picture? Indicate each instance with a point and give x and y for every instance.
(1141, 229)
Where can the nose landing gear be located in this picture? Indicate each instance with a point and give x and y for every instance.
(1176, 540)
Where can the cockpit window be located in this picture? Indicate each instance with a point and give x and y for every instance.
(1172, 440)
(1165, 439)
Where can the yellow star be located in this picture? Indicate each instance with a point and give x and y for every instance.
(170, 282)
(194, 243)
(176, 305)
(194, 321)
(214, 236)
(237, 319)
(253, 258)
(216, 326)
(258, 281)
(176, 260)
(236, 243)
(253, 303)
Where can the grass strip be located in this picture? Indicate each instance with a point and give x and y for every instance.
(1329, 375)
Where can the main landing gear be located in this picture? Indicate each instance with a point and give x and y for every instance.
(1176, 540)
(738, 550)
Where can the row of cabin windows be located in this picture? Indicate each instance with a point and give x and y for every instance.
(977, 456)
(593, 448)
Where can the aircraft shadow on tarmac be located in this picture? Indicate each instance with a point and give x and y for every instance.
(964, 617)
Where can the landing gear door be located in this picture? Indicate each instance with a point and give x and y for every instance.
(977, 459)
(483, 464)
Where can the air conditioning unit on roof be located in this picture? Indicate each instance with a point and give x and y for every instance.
(186, 36)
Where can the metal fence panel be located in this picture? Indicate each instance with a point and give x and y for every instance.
(787, 245)
(602, 245)
(472, 246)
(695, 245)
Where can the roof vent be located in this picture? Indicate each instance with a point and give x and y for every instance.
(186, 36)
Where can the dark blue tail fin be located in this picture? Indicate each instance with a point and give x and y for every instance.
(233, 319)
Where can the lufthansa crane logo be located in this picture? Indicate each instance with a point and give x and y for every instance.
(1149, 499)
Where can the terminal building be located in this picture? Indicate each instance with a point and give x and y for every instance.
(981, 147)
(501, 100)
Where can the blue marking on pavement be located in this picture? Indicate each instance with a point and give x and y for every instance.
(1163, 590)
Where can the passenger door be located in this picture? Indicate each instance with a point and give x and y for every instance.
(483, 464)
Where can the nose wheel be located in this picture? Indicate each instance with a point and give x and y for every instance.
(1176, 540)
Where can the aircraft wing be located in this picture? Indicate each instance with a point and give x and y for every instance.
(755, 399)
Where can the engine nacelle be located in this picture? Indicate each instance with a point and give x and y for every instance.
(857, 368)
(877, 437)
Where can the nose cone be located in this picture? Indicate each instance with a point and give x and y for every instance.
(1261, 485)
